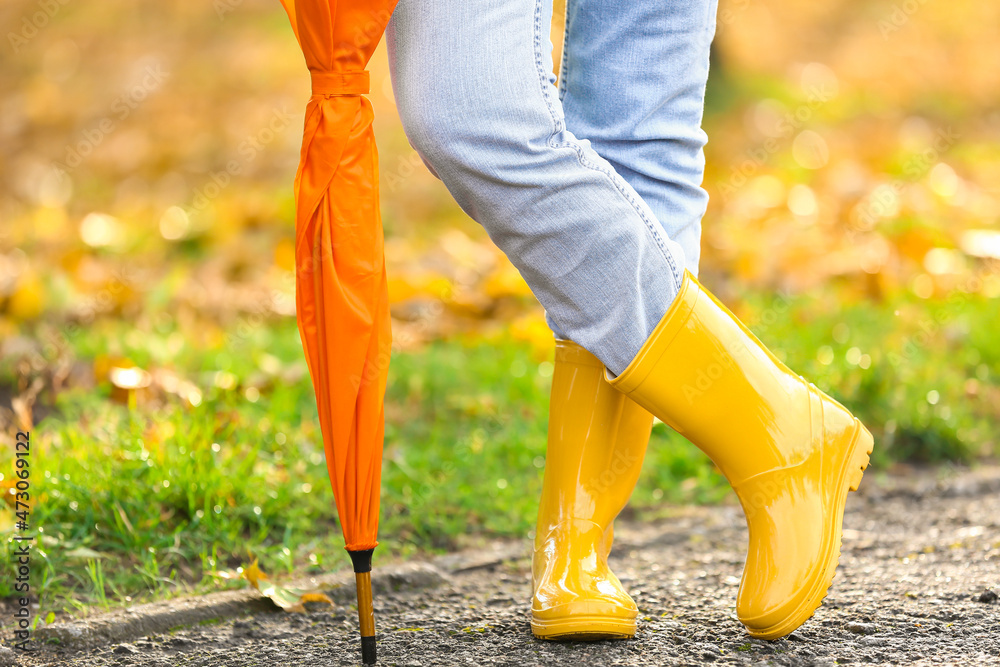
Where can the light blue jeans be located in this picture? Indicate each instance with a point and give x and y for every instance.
(593, 190)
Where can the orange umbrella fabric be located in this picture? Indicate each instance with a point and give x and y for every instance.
(341, 291)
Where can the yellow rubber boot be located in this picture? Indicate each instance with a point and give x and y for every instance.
(597, 440)
(789, 450)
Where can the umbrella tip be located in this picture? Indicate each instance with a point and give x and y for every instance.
(362, 560)
(368, 650)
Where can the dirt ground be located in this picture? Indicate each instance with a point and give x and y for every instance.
(916, 585)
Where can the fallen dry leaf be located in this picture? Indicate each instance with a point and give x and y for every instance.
(289, 599)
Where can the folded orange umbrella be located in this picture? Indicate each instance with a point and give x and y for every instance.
(342, 301)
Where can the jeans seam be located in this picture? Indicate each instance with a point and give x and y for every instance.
(651, 226)
(564, 65)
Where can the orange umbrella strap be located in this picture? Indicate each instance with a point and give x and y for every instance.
(328, 83)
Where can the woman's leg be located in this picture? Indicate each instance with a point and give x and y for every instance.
(475, 91)
(473, 84)
(632, 83)
(597, 260)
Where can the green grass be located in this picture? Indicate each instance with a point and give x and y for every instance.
(146, 503)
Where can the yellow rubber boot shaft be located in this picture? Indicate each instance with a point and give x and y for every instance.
(597, 441)
(790, 452)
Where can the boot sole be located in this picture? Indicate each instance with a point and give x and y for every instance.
(850, 479)
(583, 629)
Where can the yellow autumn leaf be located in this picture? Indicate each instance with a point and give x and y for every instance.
(506, 281)
(534, 330)
(284, 254)
(289, 599)
(28, 299)
(401, 289)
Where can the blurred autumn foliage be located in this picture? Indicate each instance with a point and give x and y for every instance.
(148, 150)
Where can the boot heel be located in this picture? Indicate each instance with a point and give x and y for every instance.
(583, 628)
(860, 457)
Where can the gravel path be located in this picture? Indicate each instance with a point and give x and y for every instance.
(921, 557)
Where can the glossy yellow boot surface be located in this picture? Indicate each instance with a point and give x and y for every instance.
(790, 451)
(597, 440)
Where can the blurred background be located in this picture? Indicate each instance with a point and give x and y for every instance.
(147, 331)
